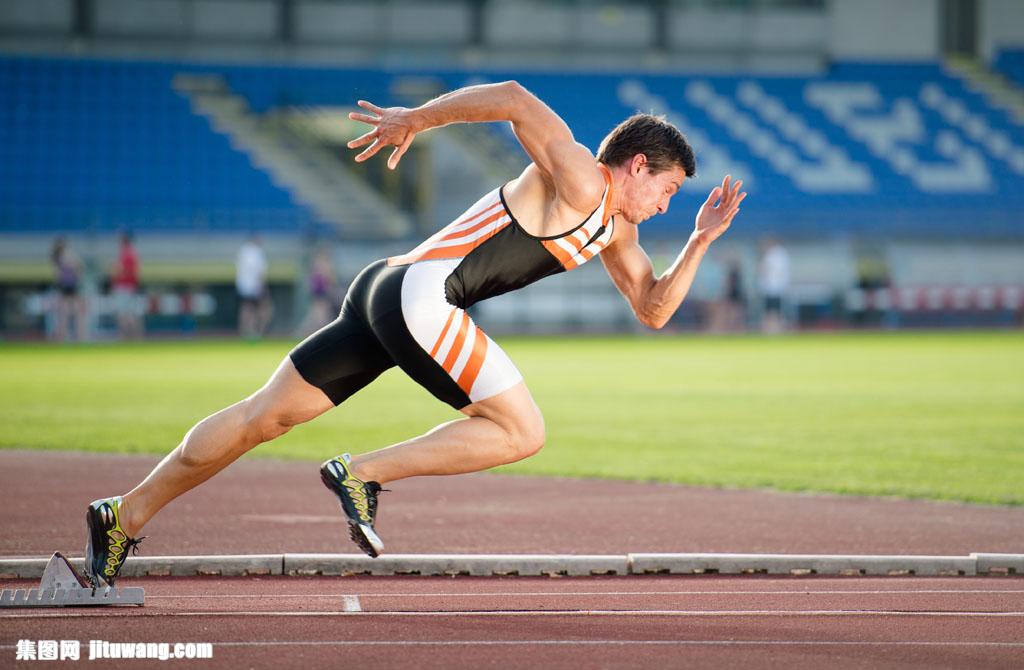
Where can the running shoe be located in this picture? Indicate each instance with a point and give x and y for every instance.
(358, 502)
(108, 544)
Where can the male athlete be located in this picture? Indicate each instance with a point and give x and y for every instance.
(565, 208)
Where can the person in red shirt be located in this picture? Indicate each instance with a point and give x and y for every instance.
(125, 290)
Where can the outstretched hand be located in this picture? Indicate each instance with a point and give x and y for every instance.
(392, 126)
(714, 219)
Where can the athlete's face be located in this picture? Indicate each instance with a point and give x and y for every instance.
(647, 192)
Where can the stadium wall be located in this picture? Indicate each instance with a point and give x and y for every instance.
(883, 30)
(1001, 26)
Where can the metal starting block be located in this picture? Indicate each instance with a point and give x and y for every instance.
(62, 586)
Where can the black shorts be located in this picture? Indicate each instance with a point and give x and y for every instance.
(371, 334)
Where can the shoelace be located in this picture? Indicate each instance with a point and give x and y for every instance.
(133, 544)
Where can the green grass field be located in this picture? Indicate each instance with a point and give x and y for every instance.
(916, 415)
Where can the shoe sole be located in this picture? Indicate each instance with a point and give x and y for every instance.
(362, 534)
(366, 538)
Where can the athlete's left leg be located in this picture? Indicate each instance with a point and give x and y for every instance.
(501, 429)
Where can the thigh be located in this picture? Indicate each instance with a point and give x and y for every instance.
(342, 357)
(435, 343)
(449, 355)
(289, 398)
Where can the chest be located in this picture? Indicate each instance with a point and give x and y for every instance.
(582, 244)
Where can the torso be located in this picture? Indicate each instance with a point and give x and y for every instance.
(512, 237)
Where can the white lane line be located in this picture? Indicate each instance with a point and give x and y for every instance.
(520, 643)
(540, 613)
(460, 643)
(352, 604)
(506, 594)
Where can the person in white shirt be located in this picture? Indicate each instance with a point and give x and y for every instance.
(254, 305)
(773, 279)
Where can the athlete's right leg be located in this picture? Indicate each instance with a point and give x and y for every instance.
(286, 400)
(440, 347)
(501, 429)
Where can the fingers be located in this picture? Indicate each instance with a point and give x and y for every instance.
(366, 104)
(399, 151)
(365, 118)
(731, 194)
(734, 209)
(716, 192)
(370, 151)
(364, 139)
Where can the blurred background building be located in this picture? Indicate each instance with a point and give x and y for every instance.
(881, 142)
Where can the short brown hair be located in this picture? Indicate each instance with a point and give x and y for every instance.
(654, 137)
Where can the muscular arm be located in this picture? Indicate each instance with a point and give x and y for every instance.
(655, 300)
(565, 164)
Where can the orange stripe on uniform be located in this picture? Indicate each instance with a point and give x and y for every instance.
(457, 251)
(444, 331)
(605, 215)
(460, 339)
(442, 235)
(558, 252)
(475, 362)
(475, 227)
(467, 219)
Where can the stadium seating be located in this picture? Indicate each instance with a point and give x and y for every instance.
(865, 149)
(102, 145)
(1010, 62)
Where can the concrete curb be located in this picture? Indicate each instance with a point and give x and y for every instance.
(455, 564)
(542, 564)
(802, 564)
(999, 564)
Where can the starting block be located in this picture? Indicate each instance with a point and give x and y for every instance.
(62, 586)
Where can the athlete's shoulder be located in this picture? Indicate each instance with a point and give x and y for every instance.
(582, 189)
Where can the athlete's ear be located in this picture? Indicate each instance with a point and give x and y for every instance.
(638, 163)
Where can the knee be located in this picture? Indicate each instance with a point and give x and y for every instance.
(263, 424)
(527, 436)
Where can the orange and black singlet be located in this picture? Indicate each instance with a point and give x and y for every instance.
(496, 255)
(410, 310)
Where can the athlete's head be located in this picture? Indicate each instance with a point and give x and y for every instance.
(653, 158)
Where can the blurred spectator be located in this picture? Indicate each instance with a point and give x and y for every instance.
(728, 314)
(68, 301)
(125, 290)
(773, 281)
(255, 307)
(322, 289)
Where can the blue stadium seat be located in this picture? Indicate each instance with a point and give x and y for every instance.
(864, 148)
(1010, 62)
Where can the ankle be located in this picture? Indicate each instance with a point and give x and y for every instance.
(362, 471)
(126, 517)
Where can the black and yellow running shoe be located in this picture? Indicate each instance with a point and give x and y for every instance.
(358, 502)
(108, 544)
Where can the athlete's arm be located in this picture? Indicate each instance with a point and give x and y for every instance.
(655, 300)
(565, 164)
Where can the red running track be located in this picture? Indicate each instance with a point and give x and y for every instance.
(628, 622)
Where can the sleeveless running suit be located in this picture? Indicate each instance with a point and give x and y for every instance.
(410, 310)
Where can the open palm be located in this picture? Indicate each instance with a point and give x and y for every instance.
(714, 219)
(391, 126)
